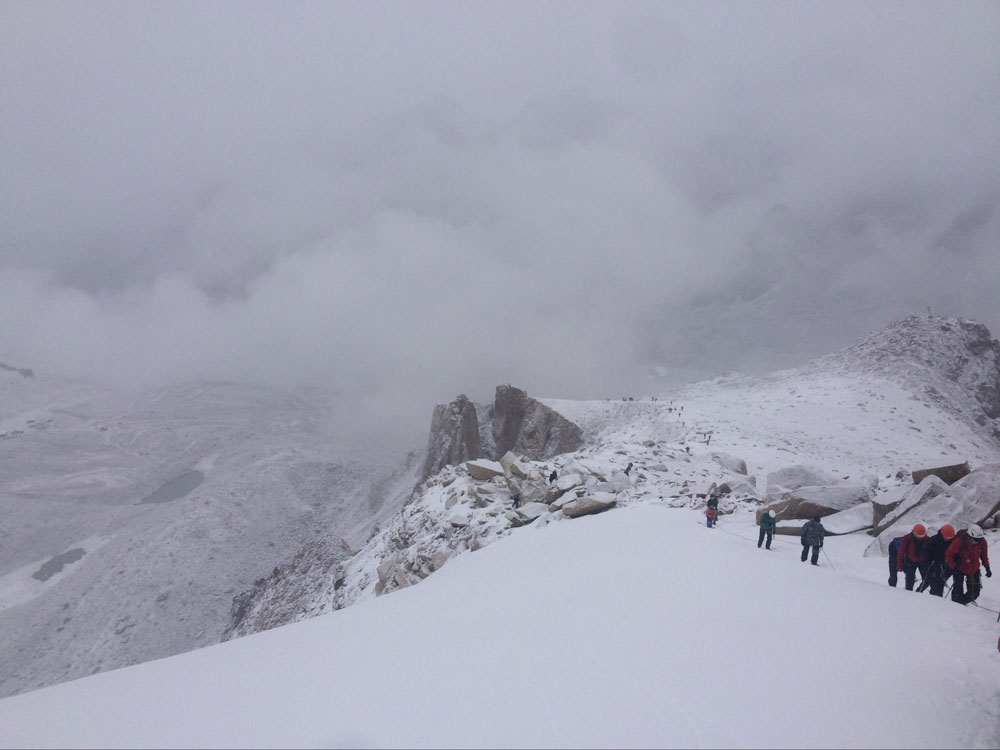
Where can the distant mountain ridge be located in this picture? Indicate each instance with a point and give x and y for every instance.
(954, 361)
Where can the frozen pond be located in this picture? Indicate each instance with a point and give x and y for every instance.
(57, 563)
(176, 488)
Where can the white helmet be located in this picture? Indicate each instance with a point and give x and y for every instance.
(975, 532)
(771, 513)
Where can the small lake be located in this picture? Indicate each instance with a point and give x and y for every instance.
(57, 563)
(176, 488)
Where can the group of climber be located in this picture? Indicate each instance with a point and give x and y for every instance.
(936, 556)
(812, 532)
(811, 537)
(945, 554)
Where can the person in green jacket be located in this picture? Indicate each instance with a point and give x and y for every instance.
(767, 526)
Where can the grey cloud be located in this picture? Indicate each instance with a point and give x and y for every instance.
(412, 200)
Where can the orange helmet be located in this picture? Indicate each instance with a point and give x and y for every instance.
(919, 531)
(948, 531)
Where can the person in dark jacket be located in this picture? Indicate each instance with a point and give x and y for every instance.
(912, 555)
(937, 568)
(812, 536)
(713, 497)
(767, 526)
(963, 555)
(893, 557)
(553, 476)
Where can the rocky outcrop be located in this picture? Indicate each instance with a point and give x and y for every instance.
(529, 428)
(454, 435)
(515, 424)
(284, 595)
(947, 474)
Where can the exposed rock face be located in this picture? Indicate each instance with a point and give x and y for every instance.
(281, 597)
(515, 423)
(948, 474)
(529, 428)
(454, 435)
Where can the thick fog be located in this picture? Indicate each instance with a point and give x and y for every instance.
(411, 200)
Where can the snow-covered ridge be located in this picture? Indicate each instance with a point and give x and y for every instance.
(870, 426)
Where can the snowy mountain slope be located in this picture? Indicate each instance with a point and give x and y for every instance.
(92, 577)
(867, 428)
(272, 474)
(634, 628)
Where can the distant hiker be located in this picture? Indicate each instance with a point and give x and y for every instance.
(515, 490)
(552, 476)
(767, 526)
(711, 514)
(687, 448)
(912, 555)
(937, 568)
(963, 556)
(812, 536)
(893, 558)
(713, 497)
(628, 468)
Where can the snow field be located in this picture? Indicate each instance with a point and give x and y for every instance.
(635, 628)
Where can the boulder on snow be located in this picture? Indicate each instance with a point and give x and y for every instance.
(730, 463)
(459, 520)
(975, 498)
(740, 488)
(588, 505)
(563, 485)
(531, 511)
(800, 475)
(947, 474)
(483, 469)
(806, 502)
(848, 521)
(914, 497)
(512, 466)
(385, 571)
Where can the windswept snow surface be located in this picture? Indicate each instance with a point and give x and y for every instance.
(635, 628)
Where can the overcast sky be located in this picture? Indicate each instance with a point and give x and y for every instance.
(415, 199)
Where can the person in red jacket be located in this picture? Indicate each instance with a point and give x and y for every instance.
(912, 555)
(963, 557)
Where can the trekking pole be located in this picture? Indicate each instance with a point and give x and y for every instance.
(828, 558)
